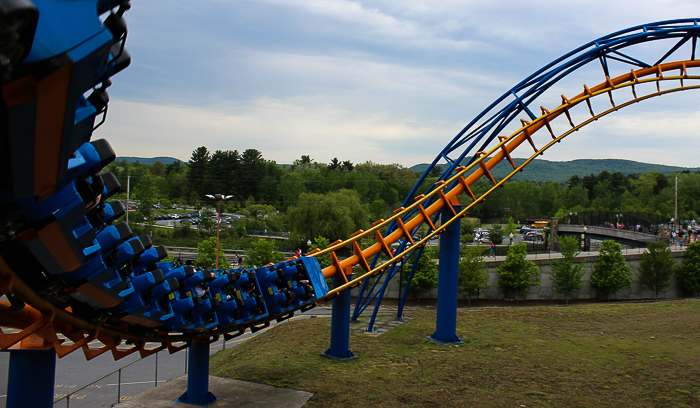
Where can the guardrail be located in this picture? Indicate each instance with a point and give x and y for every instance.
(271, 234)
(176, 252)
(172, 249)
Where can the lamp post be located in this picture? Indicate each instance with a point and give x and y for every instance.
(219, 198)
(673, 228)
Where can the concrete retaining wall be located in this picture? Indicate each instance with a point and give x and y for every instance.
(545, 290)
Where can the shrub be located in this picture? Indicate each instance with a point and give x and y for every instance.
(611, 272)
(567, 276)
(263, 252)
(425, 276)
(517, 274)
(496, 234)
(473, 277)
(207, 251)
(689, 273)
(657, 268)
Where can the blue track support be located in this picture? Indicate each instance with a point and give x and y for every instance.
(446, 320)
(380, 296)
(198, 377)
(340, 324)
(31, 377)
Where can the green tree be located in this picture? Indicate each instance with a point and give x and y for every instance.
(252, 170)
(466, 233)
(291, 186)
(577, 198)
(260, 217)
(321, 243)
(496, 234)
(263, 252)
(611, 272)
(333, 216)
(222, 172)
(517, 274)
(567, 275)
(145, 193)
(511, 227)
(425, 276)
(689, 273)
(207, 257)
(473, 277)
(206, 221)
(198, 170)
(157, 168)
(657, 268)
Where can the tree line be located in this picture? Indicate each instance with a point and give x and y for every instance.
(332, 200)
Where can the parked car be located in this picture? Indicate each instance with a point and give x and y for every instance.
(481, 236)
(533, 236)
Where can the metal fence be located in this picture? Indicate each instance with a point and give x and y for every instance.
(646, 222)
(536, 248)
(139, 376)
(107, 391)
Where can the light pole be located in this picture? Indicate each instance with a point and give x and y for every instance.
(219, 198)
(673, 229)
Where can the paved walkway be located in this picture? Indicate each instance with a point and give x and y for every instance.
(233, 393)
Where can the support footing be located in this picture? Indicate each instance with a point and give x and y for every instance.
(202, 400)
(446, 340)
(345, 356)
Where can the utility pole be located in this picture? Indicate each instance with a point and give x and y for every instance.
(219, 198)
(128, 184)
(676, 212)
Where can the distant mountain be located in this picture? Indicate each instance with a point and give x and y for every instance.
(545, 170)
(145, 160)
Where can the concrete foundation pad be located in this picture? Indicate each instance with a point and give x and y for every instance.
(233, 393)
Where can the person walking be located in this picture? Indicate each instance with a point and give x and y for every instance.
(492, 250)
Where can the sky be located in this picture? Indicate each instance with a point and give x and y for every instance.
(384, 81)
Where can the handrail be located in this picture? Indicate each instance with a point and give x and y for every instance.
(118, 370)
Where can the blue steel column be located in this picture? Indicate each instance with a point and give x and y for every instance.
(340, 323)
(31, 377)
(446, 320)
(198, 377)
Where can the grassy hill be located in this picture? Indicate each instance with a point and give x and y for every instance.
(147, 160)
(600, 355)
(545, 170)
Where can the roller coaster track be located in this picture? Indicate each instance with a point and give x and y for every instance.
(45, 316)
(447, 192)
(488, 126)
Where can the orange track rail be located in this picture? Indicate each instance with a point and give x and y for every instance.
(482, 167)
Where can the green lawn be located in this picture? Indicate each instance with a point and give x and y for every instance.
(600, 355)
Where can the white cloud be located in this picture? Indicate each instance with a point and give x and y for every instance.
(281, 130)
(346, 79)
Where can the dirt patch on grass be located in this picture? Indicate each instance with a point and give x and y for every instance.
(642, 355)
